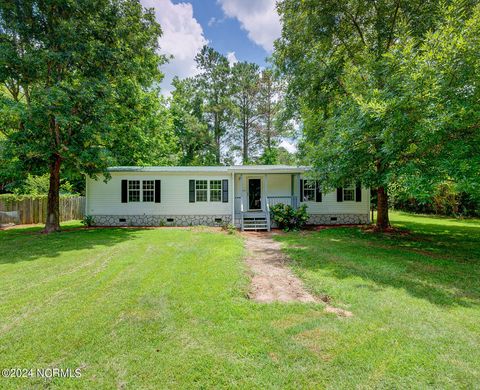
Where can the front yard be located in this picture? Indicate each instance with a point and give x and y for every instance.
(156, 308)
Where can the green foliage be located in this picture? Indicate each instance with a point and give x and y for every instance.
(88, 221)
(228, 113)
(79, 78)
(197, 146)
(215, 87)
(386, 89)
(277, 155)
(38, 185)
(289, 218)
(230, 228)
(245, 95)
(446, 199)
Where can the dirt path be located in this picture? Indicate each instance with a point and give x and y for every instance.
(272, 279)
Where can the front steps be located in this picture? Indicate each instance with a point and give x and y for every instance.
(255, 221)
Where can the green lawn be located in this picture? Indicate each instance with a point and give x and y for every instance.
(138, 308)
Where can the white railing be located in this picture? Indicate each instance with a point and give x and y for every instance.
(287, 200)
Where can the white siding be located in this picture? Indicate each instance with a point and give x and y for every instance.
(329, 205)
(105, 198)
(277, 184)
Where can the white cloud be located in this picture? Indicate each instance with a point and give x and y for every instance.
(258, 17)
(232, 58)
(212, 21)
(182, 37)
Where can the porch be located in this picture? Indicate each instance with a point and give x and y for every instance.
(255, 194)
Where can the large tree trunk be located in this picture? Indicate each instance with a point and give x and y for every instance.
(383, 221)
(53, 205)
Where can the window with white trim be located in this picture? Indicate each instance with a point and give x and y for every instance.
(148, 190)
(201, 190)
(349, 193)
(134, 190)
(309, 190)
(215, 190)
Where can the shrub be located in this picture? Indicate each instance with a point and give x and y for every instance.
(88, 221)
(288, 218)
(229, 227)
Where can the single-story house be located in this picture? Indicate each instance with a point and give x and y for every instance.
(217, 195)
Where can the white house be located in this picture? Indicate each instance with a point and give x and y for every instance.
(217, 195)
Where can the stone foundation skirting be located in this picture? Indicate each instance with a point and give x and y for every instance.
(338, 219)
(161, 220)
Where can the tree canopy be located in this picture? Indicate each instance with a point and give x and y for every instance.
(350, 67)
(79, 78)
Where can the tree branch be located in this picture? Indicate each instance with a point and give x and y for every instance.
(392, 29)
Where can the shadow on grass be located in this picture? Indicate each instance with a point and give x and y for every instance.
(29, 244)
(440, 265)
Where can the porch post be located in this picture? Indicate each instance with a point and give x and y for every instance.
(233, 198)
(242, 193)
(265, 185)
(297, 200)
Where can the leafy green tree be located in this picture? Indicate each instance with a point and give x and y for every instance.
(68, 66)
(245, 97)
(39, 185)
(337, 58)
(187, 110)
(273, 122)
(445, 71)
(214, 81)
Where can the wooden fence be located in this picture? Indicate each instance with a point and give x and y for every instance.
(34, 209)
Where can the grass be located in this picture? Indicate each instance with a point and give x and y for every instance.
(415, 299)
(163, 308)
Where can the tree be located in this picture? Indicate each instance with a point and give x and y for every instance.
(187, 110)
(214, 82)
(336, 57)
(67, 67)
(445, 70)
(273, 122)
(245, 96)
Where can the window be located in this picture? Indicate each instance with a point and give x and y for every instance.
(201, 190)
(148, 190)
(309, 187)
(134, 190)
(215, 190)
(349, 193)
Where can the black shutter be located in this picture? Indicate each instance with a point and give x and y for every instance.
(191, 191)
(358, 193)
(158, 191)
(301, 190)
(124, 191)
(318, 192)
(225, 191)
(340, 194)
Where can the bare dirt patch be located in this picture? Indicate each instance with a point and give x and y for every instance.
(272, 279)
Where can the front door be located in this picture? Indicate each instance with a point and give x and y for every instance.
(254, 194)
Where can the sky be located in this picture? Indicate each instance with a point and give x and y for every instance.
(242, 30)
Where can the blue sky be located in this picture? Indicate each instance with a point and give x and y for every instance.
(243, 30)
(225, 34)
